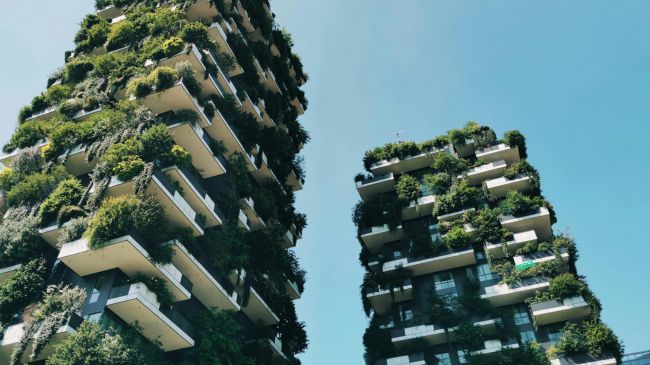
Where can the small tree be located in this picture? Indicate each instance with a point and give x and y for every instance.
(408, 188)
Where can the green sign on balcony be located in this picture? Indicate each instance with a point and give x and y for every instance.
(525, 265)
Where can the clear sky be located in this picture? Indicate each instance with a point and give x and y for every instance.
(572, 76)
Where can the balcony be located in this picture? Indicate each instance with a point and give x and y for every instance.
(298, 105)
(553, 311)
(369, 188)
(75, 162)
(432, 334)
(109, 12)
(295, 182)
(498, 153)
(220, 130)
(51, 232)
(243, 222)
(14, 333)
(225, 84)
(177, 209)
(382, 297)
(256, 111)
(466, 149)
(201, 10)
(263, 174)
(539, 221)
(454, 215)
(499, 187)
(423, 266)
(217, 35)
(195, 195)
(194, 56)
(44, 114)
(9, 157)
(540, 257)
(492, 170)
(289, 239)
(375, 237)
(253, 220)
(246, 20)
(128, 254)
(193, 139)
(136, 303)
(585, 359)
(504, 294)
(492, 346)
(413, 359)
(397, 165)
(275, 345)
(292, 290)
(6, 272)
(423, 207)
(501, 250)
(175, 98)
(205, 286)
(256, 308)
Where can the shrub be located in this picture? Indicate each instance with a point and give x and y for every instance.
(121, 152)
(457, 238)
(19, 237)
(444, 162)
(36, 187)
(408, 188)
(58, 93)
(93, 33)
(92, 345)
(27, 135)
(460, 196)
(122, 34)
(27, 162)
(21, 288)
(129, 168)
(139, 87)
(156, 285)
(469, 336)
(484, 137)
(437, 143)
(196, 33)
(456, 137)
(113, 219)
(572, 340)
(438, 183)
(487, 224)
(523, 167)
(76, 70)
(600, 339)
(162, 78)
(165, 21)
(8, 178)
(517, 204)
(172, 46)
(513, 139)
(177, 156)
(68, 192)
(566, 286)
(156, 141)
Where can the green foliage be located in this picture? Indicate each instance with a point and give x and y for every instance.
(566, 286)
(572, 341)
(196, 33)
(517, 204)
(23, 287)
(93, 33)
(438, 183)
(165, 21)
(488, 227)
(292, 332)
(469, 336)
(156, 141)
(438, 142)
(522, 167)
(407, 188)
(219, 340)
(513, 139)
(457, 238)
(159, 79)
(157, 285)
(177, 156)
(460, 196)
(129, 168)
(92, 345)
(58, 93)
(377, 343)
(120, 152)
(389, 151)
(121, 34)
(36, 187)
(172, 46)
(530, 354)
(444, 162)
(456, 137)
(76, 70)
(68, 192)
(19, 237)
(27, 134)
(600, 340)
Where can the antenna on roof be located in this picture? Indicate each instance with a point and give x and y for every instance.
(398, 134)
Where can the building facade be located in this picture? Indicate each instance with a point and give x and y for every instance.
(148, 193)
(462, 263)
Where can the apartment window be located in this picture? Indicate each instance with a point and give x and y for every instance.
(94, 294)
(397, 254)
(443, 359)
(521, 316)
(484, 273)
(469, 272)
(554, 336)
(480, 256)
(444, 281)
(435, 234)
(528, 336)
(461, 357)
(407, 315)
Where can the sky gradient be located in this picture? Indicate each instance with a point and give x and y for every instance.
(572, 76)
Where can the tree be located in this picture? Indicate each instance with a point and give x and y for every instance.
(91, 345)
(408, 188)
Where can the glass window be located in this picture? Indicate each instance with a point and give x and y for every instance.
(435, 234)
(480, 255)
(94, 294)
(461, 357)
(484, 273)
(528, 336)
(407, 315)
(443, 359)
(554, 336)
(444, 281)
(397, 254)
(521, 316)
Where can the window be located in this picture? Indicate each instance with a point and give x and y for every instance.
(94, 294)
(444, 281)
(443, 359)
(484, 273)
(480, 256)
(397, 254)
(407, 315)
(528, 336)
(521, 316)
(554, 336)
(435, 234)
(461, 357)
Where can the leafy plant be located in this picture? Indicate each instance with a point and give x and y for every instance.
(513, 139)
(460, 196)
(600, 340)
(444, 162)
(407, 188)
(457, 238)
(21, 288)
(35, 187)
(68, 192)
(129, 168)
(27, 135)
(157, 286)
(517, 204)
(19, 237)
(121, 34)
(438, 183)
(572, 340)
(565, 286)
(75, 71)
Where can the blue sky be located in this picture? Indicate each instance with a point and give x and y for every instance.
(572, 76)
